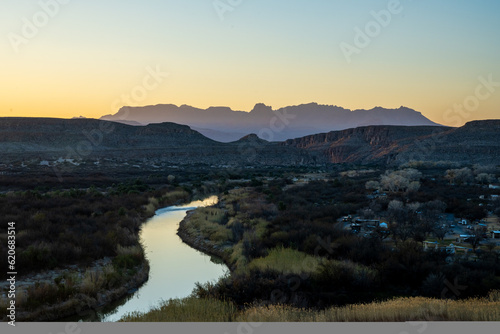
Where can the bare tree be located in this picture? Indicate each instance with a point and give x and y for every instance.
(459, 176)
(372, 185)
(475, 239)
(402, 226)
(485, 178)
(414, 186)
(439, 232)
(401, 180)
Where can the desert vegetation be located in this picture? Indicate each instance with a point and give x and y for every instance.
(64, 232)
(287, 245)
(287, 235)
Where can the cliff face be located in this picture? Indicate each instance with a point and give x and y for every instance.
(477, 141)
(365, 144)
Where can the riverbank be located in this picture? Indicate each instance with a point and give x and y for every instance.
(165, 250)
(82, 291)
(199, 242)
(81, 303)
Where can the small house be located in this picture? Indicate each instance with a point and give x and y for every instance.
(495, 234)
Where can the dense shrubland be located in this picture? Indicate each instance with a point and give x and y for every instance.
(285, 245)
(58, 228)
(281, 239)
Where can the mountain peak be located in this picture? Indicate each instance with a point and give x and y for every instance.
(252, 138)
(261, 107)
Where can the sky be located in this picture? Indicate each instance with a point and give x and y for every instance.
(66, 58)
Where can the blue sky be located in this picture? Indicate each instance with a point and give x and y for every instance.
(428, 57)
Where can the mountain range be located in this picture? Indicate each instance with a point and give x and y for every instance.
(226, 125)
(50, 139)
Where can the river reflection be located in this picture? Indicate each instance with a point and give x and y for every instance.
(174, 266)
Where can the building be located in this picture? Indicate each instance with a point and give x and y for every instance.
(495, 234)
(368, 222)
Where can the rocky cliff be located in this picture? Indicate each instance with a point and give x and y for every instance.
(477, 141)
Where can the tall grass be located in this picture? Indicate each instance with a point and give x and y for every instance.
(396, 310)
(187, 310)
(287, 261)
(128, 257)
(92, 282)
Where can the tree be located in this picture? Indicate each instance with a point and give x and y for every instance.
(414, 186)
(394, 182)
(401, 180)
(485, 178)
(459, 176)
(430, 218)
(474, 241)
(366, 213)
(395, 206)
(380, 233)
(439, 231)
(450, 175)
(400, 216)
(477, 237)
(372, 185)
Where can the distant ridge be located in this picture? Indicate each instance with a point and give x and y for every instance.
(50, 139)
(226, 125)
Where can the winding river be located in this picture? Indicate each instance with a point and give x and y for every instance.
(174, 266)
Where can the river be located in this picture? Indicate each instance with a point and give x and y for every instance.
(174, 266)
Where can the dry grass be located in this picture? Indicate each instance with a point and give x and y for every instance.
(237, 258)
(396, 310)
(135, 251)
(92, 282)
(287, 261)
(187, 310)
